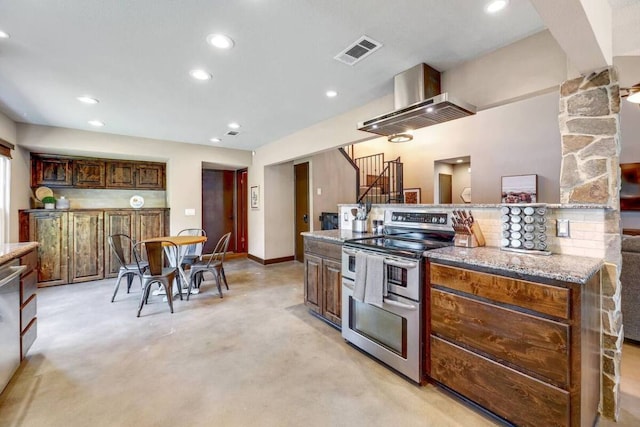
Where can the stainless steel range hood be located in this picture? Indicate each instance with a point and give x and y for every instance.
(418, 104)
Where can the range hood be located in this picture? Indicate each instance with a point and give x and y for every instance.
(418, 104)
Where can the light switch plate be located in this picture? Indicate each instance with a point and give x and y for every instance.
(562, 227)
(190, 212)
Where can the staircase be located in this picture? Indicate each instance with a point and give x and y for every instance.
(378, 181)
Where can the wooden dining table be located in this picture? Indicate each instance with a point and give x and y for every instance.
(181, 242)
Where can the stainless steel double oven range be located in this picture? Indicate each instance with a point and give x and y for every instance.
(393, 333)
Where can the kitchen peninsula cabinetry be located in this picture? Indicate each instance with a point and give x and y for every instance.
(73, 244)
(28, 302)
(81, 172)
(323, 278)
(527, 350)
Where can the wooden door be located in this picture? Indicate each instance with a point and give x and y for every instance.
(332, 290)
(313, 282)
(53, 172)
(150, 176)
(445, 188)
(120, 175)
(49, 229)
(217, 207)
(242, 196)
(302, 206)
(89, 173)
(149, 223)
(116, 222)
(86, 239)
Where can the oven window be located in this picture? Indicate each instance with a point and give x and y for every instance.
(396, 276)
(386, 329)
(352, 263)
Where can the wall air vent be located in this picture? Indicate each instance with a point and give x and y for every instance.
(359, 50)
(232, 133)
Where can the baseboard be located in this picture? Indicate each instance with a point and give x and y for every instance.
(270, 261)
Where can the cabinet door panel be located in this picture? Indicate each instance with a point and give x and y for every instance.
(116, 222)
(149, 224)
(87, 245)
(51, 171)
(120, 175)
(150, 176)
(50, 230)
(538, 345)
(312, 282)
(517, 397)
(89, 174)
(332, 284)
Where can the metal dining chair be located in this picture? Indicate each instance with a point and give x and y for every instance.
(156, 272)
(215, 265)
(131, 265)
(192, 253)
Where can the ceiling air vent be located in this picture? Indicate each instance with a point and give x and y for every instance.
(359, 50)
(232, 133)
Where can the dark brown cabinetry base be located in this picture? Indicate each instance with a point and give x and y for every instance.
(323, 279)
(526, 351)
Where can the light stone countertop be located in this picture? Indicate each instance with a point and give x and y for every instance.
(565, 268)
(338, 236)
(9, 251)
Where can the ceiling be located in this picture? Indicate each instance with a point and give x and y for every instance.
(135, 57)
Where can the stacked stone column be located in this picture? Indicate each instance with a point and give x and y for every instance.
(590, 174)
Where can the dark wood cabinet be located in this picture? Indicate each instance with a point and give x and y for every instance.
(323, 278)
(82, 172)
(86, 245)
(525, 350)
(28, 302)
(73, 244)
(139, 225)
(89, 173)
(51, 171)
(49, 229)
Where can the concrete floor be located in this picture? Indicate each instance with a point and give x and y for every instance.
(255, 357)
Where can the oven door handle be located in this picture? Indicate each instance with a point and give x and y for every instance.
(400, 305)
(348, 251)
(393, 262)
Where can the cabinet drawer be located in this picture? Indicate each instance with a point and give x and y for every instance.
(537, 345)
(28, 312)
(28, 336)
(323, 249)
(521, 399)
(30, 260)
(544, 299)
(28, 286)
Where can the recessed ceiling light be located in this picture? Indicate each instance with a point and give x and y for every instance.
(459, 161)
(4, 35)
(234, 125)
(430, 110)
(215, 140)
(220, 41)
(87, 99)
(96, 123)
(496, 6)
(331, 94)
(200, 74)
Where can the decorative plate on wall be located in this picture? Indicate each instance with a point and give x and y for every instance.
(42, 192)
(136, 202)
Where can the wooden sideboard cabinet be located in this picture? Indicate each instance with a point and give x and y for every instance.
(139, 224)
(73, 244)
(525, 350)
(323, 279)
(28, 302)
(83, 172)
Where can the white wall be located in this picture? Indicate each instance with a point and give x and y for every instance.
(279, 208)
(7, 129)
(438, 168)
(461, 179)
(184, 165)
(332, 173)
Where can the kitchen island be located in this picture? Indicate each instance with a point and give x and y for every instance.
(517, 334)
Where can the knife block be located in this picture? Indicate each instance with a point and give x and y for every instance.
(471, 239)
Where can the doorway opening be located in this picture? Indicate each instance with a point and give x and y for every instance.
(301, 206)
(452, 180)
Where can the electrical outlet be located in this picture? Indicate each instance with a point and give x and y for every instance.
(319, 191)
(562, 227)
(189, 212)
